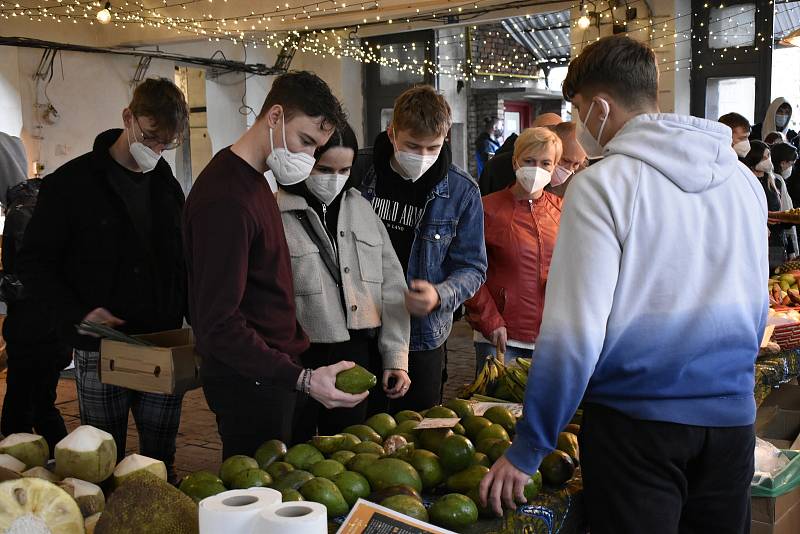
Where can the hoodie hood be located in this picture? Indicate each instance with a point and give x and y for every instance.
(769, 119)
(702, 160)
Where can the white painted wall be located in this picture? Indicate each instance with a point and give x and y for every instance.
(10, 103)
(450, 55)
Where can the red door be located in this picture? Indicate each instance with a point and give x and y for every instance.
(517, 117)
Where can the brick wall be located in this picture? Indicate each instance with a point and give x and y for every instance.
(481, 106)
(494, 50)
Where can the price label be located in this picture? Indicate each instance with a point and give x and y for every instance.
(448, 422)
(768, 331)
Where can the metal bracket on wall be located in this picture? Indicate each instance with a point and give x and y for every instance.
(141, 70)
(288, 50)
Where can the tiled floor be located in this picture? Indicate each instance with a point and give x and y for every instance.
(198, 442)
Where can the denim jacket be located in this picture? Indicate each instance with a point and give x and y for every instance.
(448, 249)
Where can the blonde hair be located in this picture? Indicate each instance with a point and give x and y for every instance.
(537, 140)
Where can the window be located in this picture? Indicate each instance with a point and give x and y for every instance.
(732, 26)
(724, 95)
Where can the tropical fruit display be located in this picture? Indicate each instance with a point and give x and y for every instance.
(498, 381)
(783, 289)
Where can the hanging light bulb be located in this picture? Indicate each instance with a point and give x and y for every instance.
(584, 22)
(104, 15)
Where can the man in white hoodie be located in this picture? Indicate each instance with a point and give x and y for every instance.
(652, 315)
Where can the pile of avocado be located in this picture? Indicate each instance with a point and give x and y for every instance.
(386, 461)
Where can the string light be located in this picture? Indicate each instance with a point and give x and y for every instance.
(584, 22)
(104, 15)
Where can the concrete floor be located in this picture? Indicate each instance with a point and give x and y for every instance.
(198, 444)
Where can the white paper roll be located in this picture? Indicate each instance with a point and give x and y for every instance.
(235, 511)
(302, 517)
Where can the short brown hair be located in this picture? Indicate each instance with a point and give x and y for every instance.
(423, 111)
(161, 101)
(619, 65)
(734, 120)
(305, 92)
(564, 129)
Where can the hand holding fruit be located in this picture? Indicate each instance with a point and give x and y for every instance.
(323, 387)
(503, 485)
(401, 384)
(422, 299)
(499, 338)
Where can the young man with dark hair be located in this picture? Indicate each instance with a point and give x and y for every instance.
(740, 127)
(666, 376)
(241, 294)
(104, 245)
(432, 211)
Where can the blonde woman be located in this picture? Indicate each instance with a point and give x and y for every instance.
(520, 228)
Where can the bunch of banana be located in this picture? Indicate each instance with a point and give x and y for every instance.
(511, 385)
(486, 380)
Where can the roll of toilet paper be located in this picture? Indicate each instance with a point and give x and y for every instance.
(301, 517)
(235, 511)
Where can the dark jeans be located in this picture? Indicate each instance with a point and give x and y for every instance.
(29, 404)
(664, 478)
(312, 418)
(248, 412)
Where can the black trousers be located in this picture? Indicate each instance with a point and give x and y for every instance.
(427, 371)
(248, 412)
(664, 478)
(312, 418)
(31, 381)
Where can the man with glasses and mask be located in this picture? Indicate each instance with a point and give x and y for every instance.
(104, 246)
(241, 291)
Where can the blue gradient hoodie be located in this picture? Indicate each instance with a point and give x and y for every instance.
(656, 302)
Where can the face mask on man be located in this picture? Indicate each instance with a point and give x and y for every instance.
(560, 175)
(413, 166)
(590, 144)
(288, 167)
(781, 120)
(742, 148)
(326, 187)
(498, 133)
(787, 172)
(764, 166)
(532, 179)
(144, 156)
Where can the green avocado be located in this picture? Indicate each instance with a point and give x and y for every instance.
(382, 423)
(501, 416)
(325, 492)
(328, 444)
(474, 424)
(454, 512)
(568, 442)
(456, 453)
(342, 456)
(327, 469)
(407, 506)
(494, 431)
(233, 466)
(498, 449)
(407, 415)
(269, 452)
(440, 412)
(534, 487)
(369, 446)
(431, 439)
(467, 479)
(461, 407)
(356, 380)
(364, 433)
(303, 456)
(292, 480)
(199, 489)
(389, 472)
(349, 441)
(291, 495)
(279, 470)
(352, 485)
(251, 478)
(557, 468)
(481, 459)
(429, 468)
(361, 461)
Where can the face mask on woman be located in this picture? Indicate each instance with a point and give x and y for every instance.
(533, 179)
(765, 166)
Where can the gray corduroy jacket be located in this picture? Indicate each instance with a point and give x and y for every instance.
(373, 282)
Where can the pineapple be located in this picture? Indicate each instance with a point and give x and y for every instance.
(787, 267)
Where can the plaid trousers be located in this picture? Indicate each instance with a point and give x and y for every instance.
(106, 407)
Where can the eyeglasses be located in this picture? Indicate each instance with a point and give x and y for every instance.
(152, 141)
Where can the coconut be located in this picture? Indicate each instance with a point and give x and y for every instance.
(135, 463)
(30, 449)
(43, 473)
(36, 506)
(91, 523)
(87, 453)
(11, 463)
(89, 496)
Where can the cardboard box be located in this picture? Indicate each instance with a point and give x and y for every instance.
(777, 515)
(170, 366)
(786, 397)
(782, 430)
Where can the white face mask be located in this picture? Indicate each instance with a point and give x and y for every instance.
(289, 168)
(144, 156)
(781, 120)
(560, 175)
(533, 179)
(764, 166)
(413, 166)
(787, 172)
(742, 148)
(590, 144)
(326, 187)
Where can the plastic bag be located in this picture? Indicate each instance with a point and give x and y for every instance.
(770, 479)
(769, 461)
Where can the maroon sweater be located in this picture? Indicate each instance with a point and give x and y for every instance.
(241, 296)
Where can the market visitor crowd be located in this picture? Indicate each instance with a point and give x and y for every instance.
(597, 249)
